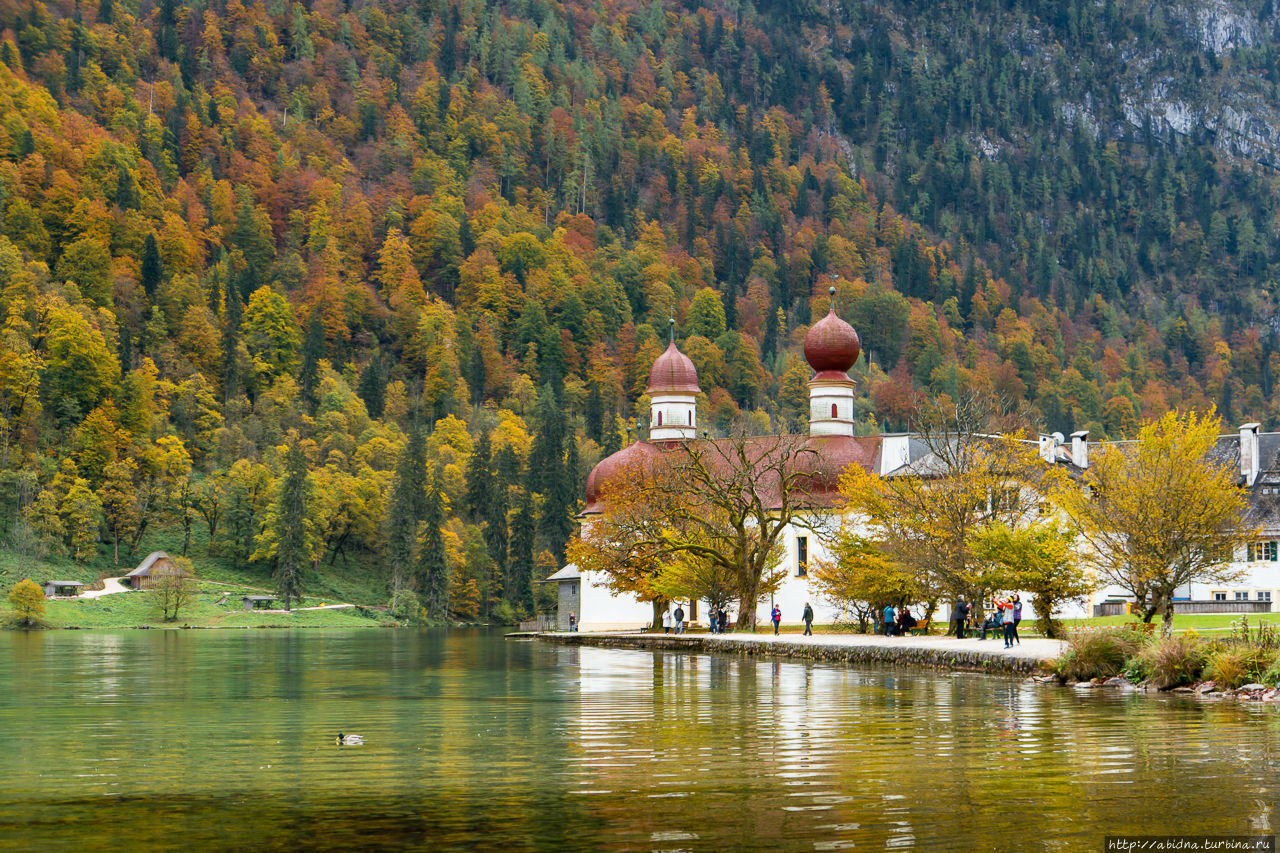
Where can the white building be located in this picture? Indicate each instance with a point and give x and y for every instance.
(831, 348)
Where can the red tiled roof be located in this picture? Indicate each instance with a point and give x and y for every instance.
(831, 457)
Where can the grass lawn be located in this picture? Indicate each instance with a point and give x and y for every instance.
(216, 605)
(362, 581)
(1199, 622)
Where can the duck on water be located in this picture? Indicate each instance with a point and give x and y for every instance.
(350, 740)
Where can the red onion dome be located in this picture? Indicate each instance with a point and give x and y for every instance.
(673, 373)
(832, 346)
(639, 455)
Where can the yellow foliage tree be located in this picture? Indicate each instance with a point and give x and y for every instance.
(1160, 513)
(27, 598)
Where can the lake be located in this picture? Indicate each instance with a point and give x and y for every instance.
(225, 739)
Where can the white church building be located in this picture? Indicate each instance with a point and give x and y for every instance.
(831, 349)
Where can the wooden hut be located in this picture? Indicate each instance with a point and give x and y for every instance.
(258, 602)
(157, 563)
(58, 589)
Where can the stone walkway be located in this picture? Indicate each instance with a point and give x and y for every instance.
(930, 651)
(1032, 648)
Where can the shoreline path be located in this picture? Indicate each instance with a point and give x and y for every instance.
(931, 650)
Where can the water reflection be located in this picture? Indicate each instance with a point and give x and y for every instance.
(209, 739)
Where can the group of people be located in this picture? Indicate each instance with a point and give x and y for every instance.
(1003, 618)
(668, 618)
(719, 620)
(898, 623)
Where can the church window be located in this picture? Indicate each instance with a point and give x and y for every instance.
(659, 418)
(833, 411)
(802, 556)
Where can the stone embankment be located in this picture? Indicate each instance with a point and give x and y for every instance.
(930, 652)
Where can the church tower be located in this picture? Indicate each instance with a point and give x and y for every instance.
(831, 348)
(673, 391)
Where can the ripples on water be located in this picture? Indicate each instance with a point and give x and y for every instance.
(199, 740)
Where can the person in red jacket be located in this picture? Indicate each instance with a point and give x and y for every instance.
(776, 616)
(1007, 620)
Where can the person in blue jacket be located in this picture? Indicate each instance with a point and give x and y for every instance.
(888, 620)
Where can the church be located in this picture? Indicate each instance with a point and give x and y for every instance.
(831, 348)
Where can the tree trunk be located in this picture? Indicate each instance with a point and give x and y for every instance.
(659, 607)
(746, 612)
(1167, 627)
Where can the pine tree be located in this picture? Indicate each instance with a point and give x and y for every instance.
(520, 565)
(373, 386)
(312, 350)
(479, 483)
(432, 575)
(406, 509)
(495, 526)
(152, 270)
(594, 414)
(292, 553)
(231, 343)
(476, 375)
(546, 459)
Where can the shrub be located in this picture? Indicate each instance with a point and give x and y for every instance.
(405, 606)
(1228, 667)
(1271, 674)
(1099, 653)
(1135, 669)
(1173, 661)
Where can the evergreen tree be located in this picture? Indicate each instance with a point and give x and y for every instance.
(495, 526)
(479, 484)
(406, 508)
(520, 565)
(594, 414)
(432, 574)
(231, 343)
(372, 387)
(292, 554)
(312, 350)
(546, 459)
(506, 466)
(476, 375)
(152, 270)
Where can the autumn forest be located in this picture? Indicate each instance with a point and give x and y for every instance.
(367, 288)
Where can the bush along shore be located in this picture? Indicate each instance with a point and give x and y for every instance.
(1244, 664)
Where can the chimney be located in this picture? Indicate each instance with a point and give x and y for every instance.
(1080, 448)
(1249, 453)
(1047, 449)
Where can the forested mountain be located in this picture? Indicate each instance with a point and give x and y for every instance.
(434, 246)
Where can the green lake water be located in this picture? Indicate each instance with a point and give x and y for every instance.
(201, 740)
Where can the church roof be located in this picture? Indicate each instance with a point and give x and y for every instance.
(831, 347)
(673, 373)
(824, 465)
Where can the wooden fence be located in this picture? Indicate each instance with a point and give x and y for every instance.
(1120, 608)
(544, 622)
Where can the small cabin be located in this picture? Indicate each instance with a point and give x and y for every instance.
(569, 599)
(62, 589)
(156, 564)
(258, 602)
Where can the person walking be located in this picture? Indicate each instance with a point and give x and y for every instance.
(776, 616)
(724, 620)
(573, 622)
(1017, 617)
(679, 616)
(889, 620)
(666, 621)
(959, 613)
(808, 620)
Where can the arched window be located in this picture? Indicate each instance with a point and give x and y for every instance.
(833, 410)
(659, 418)
(691, 419)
